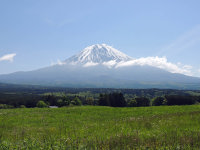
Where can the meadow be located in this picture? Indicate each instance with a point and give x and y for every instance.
(98, 127)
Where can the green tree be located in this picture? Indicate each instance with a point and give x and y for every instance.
(76, 101)
(157, 101)
(41, 104)
(66, 101)
(112, 99)
(102, 100)
(142, 101)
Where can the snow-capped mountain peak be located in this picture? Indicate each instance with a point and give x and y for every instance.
(98, 54)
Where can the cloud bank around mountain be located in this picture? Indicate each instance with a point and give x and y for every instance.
(102, 54)
(8, 57)
(159, 62)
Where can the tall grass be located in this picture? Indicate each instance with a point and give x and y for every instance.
(95, 127)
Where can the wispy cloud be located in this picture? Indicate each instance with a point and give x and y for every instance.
(185, 41)
(57, 63)
(8, 57)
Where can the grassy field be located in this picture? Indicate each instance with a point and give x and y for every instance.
(95, 127)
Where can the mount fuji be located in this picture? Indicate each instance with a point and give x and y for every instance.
(99, 53)
(102, 66)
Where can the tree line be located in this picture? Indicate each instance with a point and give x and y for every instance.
(118, 100)
(114, 99)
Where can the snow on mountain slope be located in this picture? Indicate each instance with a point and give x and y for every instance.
(98, 54)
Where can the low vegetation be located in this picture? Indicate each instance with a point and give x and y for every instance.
(128, 124)
(100, 127)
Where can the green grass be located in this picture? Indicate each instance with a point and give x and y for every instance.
(95, 127)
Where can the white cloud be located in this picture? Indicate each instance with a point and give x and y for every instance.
(159, 62)
(8, 57)
(89, 64)
(109, 63)
(58, 63)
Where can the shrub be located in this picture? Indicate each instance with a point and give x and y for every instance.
(132, 103)
(22, 106)
(41, 104)
(60, 103)
(5, 106)
(90, 101)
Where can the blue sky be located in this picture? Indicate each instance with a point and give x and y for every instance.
(35, 33)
